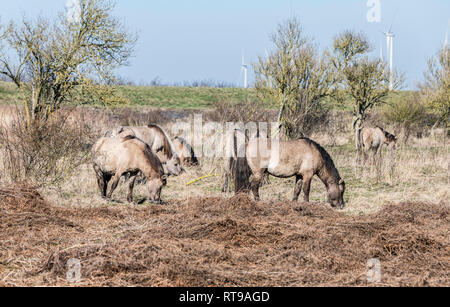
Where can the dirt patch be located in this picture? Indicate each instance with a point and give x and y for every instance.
(220, 242)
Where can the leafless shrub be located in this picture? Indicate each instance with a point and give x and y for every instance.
(409, 116)
(43, 155)
(247, 111)
(136, 117)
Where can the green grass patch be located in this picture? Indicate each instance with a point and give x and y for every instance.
(185, 97)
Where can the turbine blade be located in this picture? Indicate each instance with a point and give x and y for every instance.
(381, 51)
(393, 20)
(446, 36)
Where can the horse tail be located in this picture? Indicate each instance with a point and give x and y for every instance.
(242, 175)
(194, 159)
(241, 171)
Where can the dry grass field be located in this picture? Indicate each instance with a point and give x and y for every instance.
(398, 214)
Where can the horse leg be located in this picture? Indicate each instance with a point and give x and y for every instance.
(228, 170)
(130, 198)
(374, 156)
(256, 184)
(100, 180)
(307, 187)
(298, 187)
(107, 179)
(365, 156)
(380, 157)
(115, 183)
(359, 153)
(226, 184)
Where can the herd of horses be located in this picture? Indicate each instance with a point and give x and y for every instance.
(149, 152)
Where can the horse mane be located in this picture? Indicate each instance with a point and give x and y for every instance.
(189, 148)
(153, 159)
(389, 136)
(109, 133)
(329, 163)
(129, 138)
(168, 147)
(382, 129)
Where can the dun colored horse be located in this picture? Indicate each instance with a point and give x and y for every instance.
(159, 142)
(301, 158)
(373, 139)
(114, 157)
(185, 152)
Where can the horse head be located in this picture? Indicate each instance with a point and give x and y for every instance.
(174, 166)
(390, 140)
(154, 187)
(336, 193)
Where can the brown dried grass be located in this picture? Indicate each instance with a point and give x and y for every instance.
(220, 242)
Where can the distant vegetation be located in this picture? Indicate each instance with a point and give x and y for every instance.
(184, 97)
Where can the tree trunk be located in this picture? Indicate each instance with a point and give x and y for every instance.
(357, 125)
(280, 114)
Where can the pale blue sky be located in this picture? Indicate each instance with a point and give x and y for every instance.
(203, 39)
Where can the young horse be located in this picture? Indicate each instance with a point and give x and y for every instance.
(114, 157)
(373, 139)
(301, 158)
(185, 152)
(159, 142)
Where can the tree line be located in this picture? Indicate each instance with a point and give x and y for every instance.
(300, 79)
(54, 62)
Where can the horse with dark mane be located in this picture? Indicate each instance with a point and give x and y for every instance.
(373, 139)
(115, 157)
(159, 142)
(185, 152)
(302, 159)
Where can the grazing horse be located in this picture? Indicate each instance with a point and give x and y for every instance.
(185, 152)
(301, 158)
(114, 157)
(159, 142)
(373, 139)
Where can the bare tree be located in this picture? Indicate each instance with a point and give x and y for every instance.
(49, 59)
(366, 81)
(294, 76)
(436, 88)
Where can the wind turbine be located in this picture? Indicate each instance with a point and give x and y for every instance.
(390, 51)
(381, 52)
(267, 60)
(244, 69)
(446, 38)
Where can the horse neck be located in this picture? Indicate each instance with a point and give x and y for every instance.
(146, 170)
(329, 174)
(148, 164)
(382, 135)
(171, 145)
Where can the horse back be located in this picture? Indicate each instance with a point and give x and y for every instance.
(289, 159)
